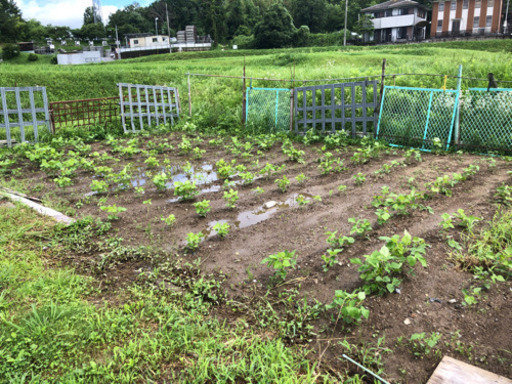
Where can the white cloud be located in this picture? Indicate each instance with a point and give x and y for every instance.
(60, 12)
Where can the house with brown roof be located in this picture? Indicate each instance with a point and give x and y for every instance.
(466, 17)
(396, 21)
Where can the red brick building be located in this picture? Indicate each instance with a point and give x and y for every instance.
(466, 17)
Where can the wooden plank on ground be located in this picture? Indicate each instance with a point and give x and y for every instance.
(59, 217)
(451, 371)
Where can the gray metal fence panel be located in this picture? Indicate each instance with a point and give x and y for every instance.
(147, 104)
(332, 107)
(19, 109)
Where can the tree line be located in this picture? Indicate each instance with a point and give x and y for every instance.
(260, 22)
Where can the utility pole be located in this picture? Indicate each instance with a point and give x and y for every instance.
(345, 34)
(117, 38)
(168, 25)
(156, 25)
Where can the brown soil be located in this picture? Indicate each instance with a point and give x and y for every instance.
(479, 334)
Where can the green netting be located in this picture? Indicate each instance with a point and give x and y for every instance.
(417, 117)
(486, 120)
(268, 108)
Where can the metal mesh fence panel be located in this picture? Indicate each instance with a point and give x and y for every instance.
(417, 117)
(268, 108)
(486, 120)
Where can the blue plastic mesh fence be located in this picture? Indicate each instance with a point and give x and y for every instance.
(417, 117)
(268, 108)
(486, 120)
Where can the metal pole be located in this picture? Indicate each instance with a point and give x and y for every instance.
(365, 369)
(382, 79)
(291, 108)
(457, 116)
(189, 96)
(505, 22)
(244, 100)
(156, 26)
(345, 34)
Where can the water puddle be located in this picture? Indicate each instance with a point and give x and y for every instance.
(249, 218)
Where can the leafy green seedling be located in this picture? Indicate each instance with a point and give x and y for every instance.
(202, 207)
(231, 198)
(169, 220)
(281, 262)
(112, 210)
(193, 240)
(222, 229)
(283, 183)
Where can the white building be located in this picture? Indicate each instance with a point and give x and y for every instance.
(145, 40)
(396, 21)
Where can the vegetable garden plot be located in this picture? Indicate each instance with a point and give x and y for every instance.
(23, 107)
(147, 104)
(269, 108)
(333, 107)
(209, 201)
(486, 120)
(417, 117)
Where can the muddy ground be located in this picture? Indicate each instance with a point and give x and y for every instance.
(429, 301)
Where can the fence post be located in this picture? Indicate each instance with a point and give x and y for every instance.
(291, 108)
(189, 96)
(244, 100)
(382, 78)
(457, 116)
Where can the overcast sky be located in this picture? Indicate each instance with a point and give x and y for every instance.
(68, 12)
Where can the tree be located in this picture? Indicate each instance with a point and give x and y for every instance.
(91, 16)
(235, 16)
(311, 13)
(212, 19)
(33, 30)
(10, 18)
(276, 28)
(93, 31)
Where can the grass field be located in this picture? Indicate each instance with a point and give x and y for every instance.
(219, 98)
(203, 253)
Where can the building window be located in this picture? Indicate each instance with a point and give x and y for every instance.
(389, 12)
(155, 39)
(465, 4)
(402, 33)
(488, 21)
(421, 13)
(441, 6)
(439, 25)
(403, 11)
(490, 3)
(476, 22)
(135, 42)
(478, 3)
(453, 5)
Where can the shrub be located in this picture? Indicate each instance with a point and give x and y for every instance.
(32, 57)
(10, 51)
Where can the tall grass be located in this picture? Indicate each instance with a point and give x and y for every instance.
(218, 99)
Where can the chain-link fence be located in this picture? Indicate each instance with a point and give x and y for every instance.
(268, 108)
(417, 117)
(486, 120)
